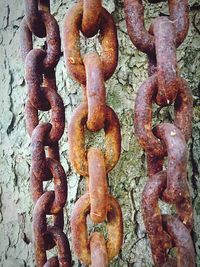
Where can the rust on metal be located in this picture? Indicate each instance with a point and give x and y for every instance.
(91, 17)
(71, 40)
(64, 256)
(95, 92)
(57, 115)
(80, 237)
(53, 151)
(43, 95)
(183, 108)
(141, 38)
(143, 118)
(40, 227)
(26, 42)
(53, 41)
(143, 114)
(33, 18)
(44, 5)
(60, 185)
(39, 165)
(182, 240)
(160, 240)
(77, 152)
(98, 188)
(99, 257)
(91, 71)
(167, 75)
(164, 87)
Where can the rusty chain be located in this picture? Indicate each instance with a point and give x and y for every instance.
(91, 71)
(164, 87)
(43, 96)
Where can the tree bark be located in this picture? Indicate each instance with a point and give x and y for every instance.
(128, 178)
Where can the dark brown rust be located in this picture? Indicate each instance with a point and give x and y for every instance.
(26, 43)
(40, 227)
(183, 108)
(155, 1)
(134, 13)
(39, 165)
(60, 185)
(177, 161)
(43, 168)
(53, 42)
(58, 221)
(41, 232)
(99, 257)
(33, 18)
(95, 92)
(143, 118)
(64, 255)
(71, 40)
(57, 115)
(98, 188)
(91, 17)
(167, 75)
(42, 95)
(164, 86)
(43, 235)
(177, 190)
(33, 76)
(44, 5)
(53, 151)
(154, 164)
(160, 240)
(49, 78)
(80, 238)
(183, 241)
(141, 38)
(143, 115)
(77, 152)
(52, 262)
(179, 15)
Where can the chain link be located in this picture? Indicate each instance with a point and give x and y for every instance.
(163, 87)
(91, 71)
(43, 95)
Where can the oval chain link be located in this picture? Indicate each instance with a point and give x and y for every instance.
(43, 95)
(164, 87)
(91, 72)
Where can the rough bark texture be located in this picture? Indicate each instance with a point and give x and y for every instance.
(127, 179)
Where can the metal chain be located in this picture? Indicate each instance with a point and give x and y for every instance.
(164, 87)
(91, 71)
(43, 96)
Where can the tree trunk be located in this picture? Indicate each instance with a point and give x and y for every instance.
(128, 178)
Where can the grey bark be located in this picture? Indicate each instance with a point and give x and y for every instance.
(128, 178)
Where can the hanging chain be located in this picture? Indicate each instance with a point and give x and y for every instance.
(91, 71)
(43, 96)
(164, 87)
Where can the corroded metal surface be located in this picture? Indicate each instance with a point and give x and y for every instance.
(43, 95)
(71, 40)
(80, 235)
(164, 87)
(91, 72)
(140, 37)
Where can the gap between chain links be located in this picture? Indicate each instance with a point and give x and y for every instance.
(164, 87)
